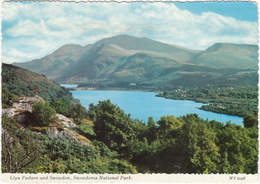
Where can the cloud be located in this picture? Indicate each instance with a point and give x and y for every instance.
(33, 30)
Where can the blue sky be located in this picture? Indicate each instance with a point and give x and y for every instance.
(32, 30)
(245, 11)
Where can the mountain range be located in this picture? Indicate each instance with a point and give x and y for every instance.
(120, 60)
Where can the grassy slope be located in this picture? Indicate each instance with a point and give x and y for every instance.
(22, 82)
(227, 55)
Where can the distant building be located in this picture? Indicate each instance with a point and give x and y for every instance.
(132, 84)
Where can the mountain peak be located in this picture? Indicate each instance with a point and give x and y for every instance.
(145, 44)
(67, 49)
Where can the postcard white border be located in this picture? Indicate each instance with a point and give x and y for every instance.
(7, 178)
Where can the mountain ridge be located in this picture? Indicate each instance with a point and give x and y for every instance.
(223, 55)
(125, 58)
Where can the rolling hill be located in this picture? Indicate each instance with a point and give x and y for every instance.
(124, 59)
(228, 55)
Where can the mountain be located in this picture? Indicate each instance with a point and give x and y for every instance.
(228, 55)
(145, 44)
(53, 64)
(92, 64)
(74, 63)
(120, 60)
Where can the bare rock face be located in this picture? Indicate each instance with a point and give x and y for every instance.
(26, 103)
(66, 132)
(22, 108)
(55, 132)
(66, 121)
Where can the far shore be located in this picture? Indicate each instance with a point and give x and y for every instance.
(108, 89)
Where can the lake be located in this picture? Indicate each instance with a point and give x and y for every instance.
(141, 105)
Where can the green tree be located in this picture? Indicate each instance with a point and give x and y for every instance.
(112, 126)
(239, 148)
(20, 147)
(44, 113)
(251, 120)
(151, 130)
(167, 124)
(198, 152)
(77, 112)
(62, 106)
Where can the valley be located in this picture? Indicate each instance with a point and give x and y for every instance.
(125, 62)
(103, 137)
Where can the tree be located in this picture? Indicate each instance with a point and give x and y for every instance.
(239, 148)
(20, 147)
(167, 124)
(111, 125)
(198, 152)
(251, 120)
(77, 112)
(43, 112)
(62, 106)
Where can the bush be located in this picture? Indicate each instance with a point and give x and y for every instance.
(44, 113)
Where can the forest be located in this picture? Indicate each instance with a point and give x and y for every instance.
(119, 144)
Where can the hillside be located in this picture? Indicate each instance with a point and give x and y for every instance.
(227, 55)
(53, 64)
(94, 63)
(23, 82)
(120, 60)
(36, 138)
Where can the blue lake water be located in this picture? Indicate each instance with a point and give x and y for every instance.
(142, 105)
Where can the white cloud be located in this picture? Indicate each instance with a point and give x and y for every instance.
(33, 30)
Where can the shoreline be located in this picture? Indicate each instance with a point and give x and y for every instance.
(107, 89)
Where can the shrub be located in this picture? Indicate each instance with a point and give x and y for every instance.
(44, 113)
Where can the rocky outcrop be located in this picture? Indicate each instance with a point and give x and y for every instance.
(22, 108)
(57, 132)
(66, 132)
(66, 121)
(26, 103)
(63, 127)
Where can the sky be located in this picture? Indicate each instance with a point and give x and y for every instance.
(31, 30)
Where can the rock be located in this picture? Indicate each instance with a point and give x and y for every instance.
(22, 108)
(65, 132)
(66, 121)
(54, 132)
(10, 112)
(26, 103)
